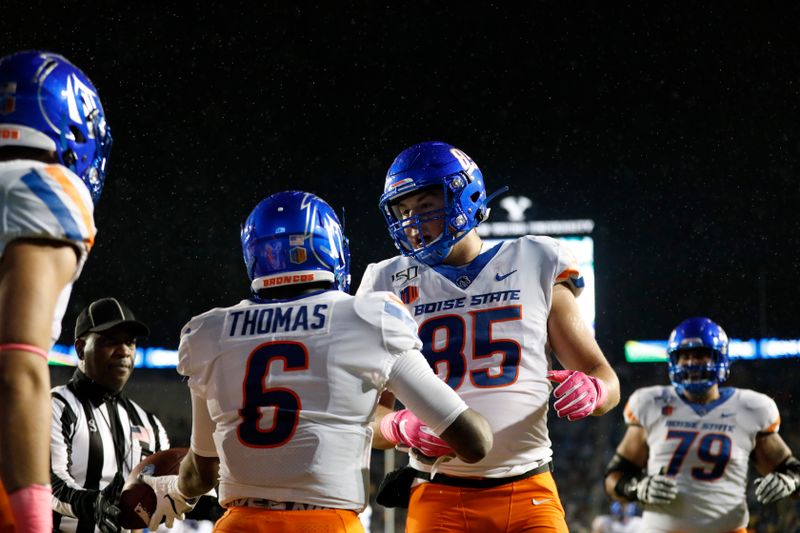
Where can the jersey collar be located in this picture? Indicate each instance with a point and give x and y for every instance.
(463, 276)
(704, 408)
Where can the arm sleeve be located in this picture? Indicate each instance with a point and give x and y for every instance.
(69, 498)
(367, 284)
(203, 427)
(768, 418)
(567, 271)
(191, 364)
(421, 391)
(631, 413)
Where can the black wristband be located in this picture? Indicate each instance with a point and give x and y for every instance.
(790, 467)
(626, 487)
(631, 474)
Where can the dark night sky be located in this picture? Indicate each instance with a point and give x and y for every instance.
(676, 129)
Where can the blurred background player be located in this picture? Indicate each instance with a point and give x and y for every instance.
(98, 433)
(687, 448)
(622, 518)
(54, 146)
(488, 317)
(284, 384)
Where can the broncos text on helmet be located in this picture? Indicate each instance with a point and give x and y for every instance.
(47, 103)
(698, 333)
(440, 165)
(295, 237)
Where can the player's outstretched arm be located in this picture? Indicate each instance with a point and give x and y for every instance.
(592, 387)
(470, 436)
(779, 468)
(431, 404)
(625, 479)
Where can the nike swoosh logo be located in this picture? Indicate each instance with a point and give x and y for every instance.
(534, 501)
(498, 277)
(726, 415)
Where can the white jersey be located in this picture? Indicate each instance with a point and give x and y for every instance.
(706, 448)
(44, 201)
(291, 387)
(484, 332)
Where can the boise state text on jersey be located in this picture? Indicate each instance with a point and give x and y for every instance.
(474, 300)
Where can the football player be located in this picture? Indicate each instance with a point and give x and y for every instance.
(284, 384)
(488, 317)
(54, 146)
(687, 448)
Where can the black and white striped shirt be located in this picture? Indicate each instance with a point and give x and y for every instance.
(83, 455)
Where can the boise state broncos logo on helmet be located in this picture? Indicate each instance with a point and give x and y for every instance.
(49, 104)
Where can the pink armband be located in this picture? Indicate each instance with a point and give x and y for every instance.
(18, 346)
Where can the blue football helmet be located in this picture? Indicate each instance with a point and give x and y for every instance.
(46, 102)
(695, 333)
(294, 237)
(440, 165)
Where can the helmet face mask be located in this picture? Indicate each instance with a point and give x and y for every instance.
(49, 104)
(433, 165)
(295, 238)
(699, 335)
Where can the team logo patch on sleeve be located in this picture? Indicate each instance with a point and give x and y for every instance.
(410, 294)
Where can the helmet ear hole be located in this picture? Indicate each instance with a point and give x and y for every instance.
(77, 133)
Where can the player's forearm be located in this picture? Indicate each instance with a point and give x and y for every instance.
(198, 474)
(379, 441)
(609, 377)
(610, 483)
(25, 423)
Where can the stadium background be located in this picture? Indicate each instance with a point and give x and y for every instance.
(674, 127)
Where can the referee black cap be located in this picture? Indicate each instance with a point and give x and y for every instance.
(106, 313)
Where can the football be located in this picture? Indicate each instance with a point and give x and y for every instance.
(138, 501)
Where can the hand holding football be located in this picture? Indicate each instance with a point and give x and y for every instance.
(138, 501)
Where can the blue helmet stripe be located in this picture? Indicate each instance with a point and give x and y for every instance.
(44, 191)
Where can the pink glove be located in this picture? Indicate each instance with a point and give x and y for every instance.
(403, 427)
(578, 395)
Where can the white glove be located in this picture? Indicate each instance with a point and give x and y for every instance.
(171, 503)
(774, 486)
(657, 488)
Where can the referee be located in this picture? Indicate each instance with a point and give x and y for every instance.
(98, 434)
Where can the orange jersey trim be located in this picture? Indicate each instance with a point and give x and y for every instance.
(630, 416)
(772, 428)
(57, 174)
